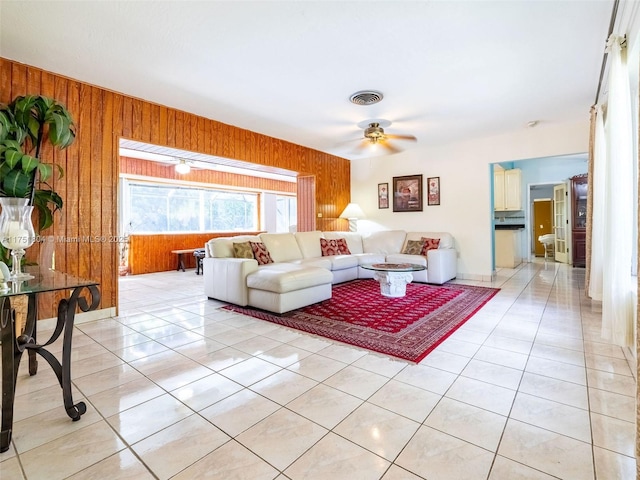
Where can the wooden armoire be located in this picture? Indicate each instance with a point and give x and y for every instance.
(579, 219)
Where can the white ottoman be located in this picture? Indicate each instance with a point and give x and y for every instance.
(281, 287)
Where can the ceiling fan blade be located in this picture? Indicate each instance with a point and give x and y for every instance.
(401, 137)
(363, 145)
(389, 147)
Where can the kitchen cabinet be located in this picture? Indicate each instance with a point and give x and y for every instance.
(508, 252)
(579, 185)
(507, 190)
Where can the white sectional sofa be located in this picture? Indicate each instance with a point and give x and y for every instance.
(300, 275)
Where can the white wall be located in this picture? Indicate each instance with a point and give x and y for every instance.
(465, 203)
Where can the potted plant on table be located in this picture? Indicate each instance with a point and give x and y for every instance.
(25, 125)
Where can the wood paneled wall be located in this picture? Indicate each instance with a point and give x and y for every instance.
(89, 187)
(152, 253)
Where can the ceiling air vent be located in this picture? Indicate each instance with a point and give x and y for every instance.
(366, 97)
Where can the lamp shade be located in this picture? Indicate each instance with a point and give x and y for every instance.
(352, 210)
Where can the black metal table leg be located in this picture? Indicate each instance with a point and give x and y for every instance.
(12, 348)
(66, 318)
(10, 361)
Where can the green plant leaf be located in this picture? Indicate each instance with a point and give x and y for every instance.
(45, 216)
(17, 184)
(12, 144)
(43, 201)
(12, 157)
(29, 163)
(45, 170)
(57, 128)
(60, 171)
(5, 124)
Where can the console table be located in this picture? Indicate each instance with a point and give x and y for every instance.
(79, 293)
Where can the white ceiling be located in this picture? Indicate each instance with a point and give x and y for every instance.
(448, 69)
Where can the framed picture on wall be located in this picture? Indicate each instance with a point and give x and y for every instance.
(407, 193)
(383, 195)
(433, 195)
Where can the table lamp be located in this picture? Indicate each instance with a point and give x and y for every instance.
(352, 213)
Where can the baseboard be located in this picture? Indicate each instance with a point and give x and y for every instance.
(82, 317)
(476, 277)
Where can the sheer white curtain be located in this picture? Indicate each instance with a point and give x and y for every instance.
(597, 214)
(617, 300)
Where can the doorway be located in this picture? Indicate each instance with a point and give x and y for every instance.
(542, 222)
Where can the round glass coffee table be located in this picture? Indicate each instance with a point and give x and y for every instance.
(393, 277)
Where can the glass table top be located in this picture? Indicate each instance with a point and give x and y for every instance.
(45, 280)
(394, 267)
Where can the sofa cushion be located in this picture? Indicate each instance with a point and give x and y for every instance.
(261, 253)
(387, 241)
(413, 247)
(282, 247)
(365, 258)
(329, 247)
(340, 262)
(309, 243)
(353, 239)
(321, 262)
(242, 250)
(429, 244)
(287, 277)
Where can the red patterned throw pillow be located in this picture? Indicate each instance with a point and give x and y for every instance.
(329, 247)
(343, 247)
(429, 244)
(261, 253)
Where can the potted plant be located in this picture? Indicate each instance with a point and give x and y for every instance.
(25, 124)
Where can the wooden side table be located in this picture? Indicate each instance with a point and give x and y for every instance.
(180, 259)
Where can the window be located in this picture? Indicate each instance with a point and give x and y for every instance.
(156, 208)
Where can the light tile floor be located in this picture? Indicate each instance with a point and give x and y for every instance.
(177, 388)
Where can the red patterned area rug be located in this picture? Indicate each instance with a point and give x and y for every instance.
(409, 327)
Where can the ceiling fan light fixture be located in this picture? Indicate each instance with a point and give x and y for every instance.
(182, 167)
(374, 132)
(366, 97)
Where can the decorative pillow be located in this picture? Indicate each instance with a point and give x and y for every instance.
(329, 247)
(261, 253)
(242, 250)
(343, 247)
(429, 244)
(414, 247)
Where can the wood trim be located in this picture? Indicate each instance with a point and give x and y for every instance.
(135, 166)
(91, 164)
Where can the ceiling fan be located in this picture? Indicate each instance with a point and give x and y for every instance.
(374, 135)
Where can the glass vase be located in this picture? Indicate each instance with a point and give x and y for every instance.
(16, 232)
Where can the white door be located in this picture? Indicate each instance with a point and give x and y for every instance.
(560, 224)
